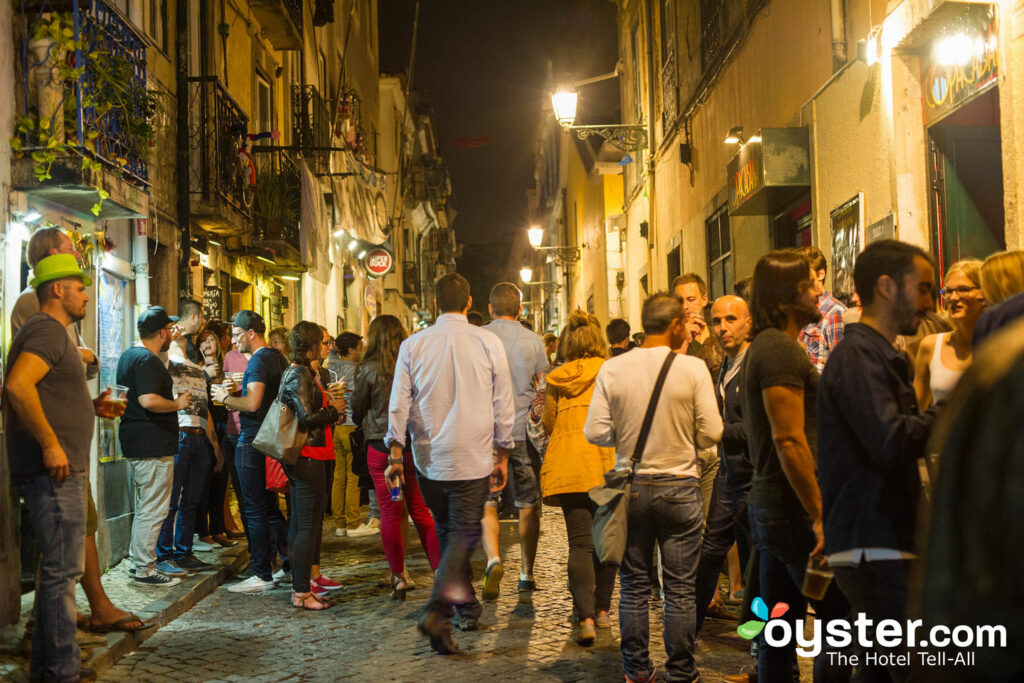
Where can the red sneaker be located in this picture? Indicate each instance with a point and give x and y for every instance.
(316, 590)
(326, 583)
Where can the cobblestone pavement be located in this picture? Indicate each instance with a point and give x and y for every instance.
(261, 637)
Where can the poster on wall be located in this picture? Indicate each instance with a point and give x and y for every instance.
(110, 306)
(846, 223)
(213, 303)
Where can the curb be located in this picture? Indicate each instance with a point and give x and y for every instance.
(176, 602)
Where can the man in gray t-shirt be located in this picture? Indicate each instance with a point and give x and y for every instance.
(49, 432)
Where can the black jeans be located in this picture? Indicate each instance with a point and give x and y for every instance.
(879, 590)
(785, 539)
(590, 581)
(227, 446)
(210, 520)
(265, 523)
(458, 507)
(719, 533)
(308, 495)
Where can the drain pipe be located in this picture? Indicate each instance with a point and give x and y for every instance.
(140, 262)
(652, 145)
(838, 12)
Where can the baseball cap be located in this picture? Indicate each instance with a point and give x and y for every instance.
(250, 320)
(58, 267)
(154, 319)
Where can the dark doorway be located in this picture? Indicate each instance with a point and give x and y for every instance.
(967, 182)
(792, 227)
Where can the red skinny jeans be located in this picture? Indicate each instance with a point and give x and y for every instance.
(392, 514)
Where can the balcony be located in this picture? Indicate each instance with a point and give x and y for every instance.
(280, 21)
(85, 117)
(277, 206)
(221, 178)
(311, 121)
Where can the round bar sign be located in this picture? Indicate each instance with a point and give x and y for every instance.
(378, 262)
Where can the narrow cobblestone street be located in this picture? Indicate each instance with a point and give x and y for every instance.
(245, 637)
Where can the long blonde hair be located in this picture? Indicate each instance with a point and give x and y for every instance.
(582, 338)
(1002, 276)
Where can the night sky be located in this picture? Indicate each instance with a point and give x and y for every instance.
(481, 65)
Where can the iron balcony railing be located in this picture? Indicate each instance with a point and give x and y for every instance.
(277, 202)
(294, 9)
(124, 104)
(311, 121)
(220, 161)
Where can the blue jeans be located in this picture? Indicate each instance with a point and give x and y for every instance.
(192, 464)
(263, 519)
(720, 531)
(785, 539)
(57, 513)
(666, 510)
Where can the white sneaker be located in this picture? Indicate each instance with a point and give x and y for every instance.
(374, 522)
(253, 584)
(280, 575)
(366, 529)
(341, 532)
(202, 546)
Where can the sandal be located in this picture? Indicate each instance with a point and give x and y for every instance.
(309, 602)
(398, 588)
(120, 625)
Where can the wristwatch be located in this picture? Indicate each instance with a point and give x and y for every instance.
(399, 461)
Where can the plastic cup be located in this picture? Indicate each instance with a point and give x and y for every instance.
(817, 578)
(337, 389)
(215, 401)
(118, 394)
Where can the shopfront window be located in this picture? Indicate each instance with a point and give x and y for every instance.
(720, 268)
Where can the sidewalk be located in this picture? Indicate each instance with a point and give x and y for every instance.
(160, 605)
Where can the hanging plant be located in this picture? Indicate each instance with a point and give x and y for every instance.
(113, 97)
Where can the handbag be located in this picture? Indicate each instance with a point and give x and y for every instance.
(276, 479)
(611, 519)
(279, 436)
(357, 444)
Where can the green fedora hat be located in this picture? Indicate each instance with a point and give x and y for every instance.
(58, 267)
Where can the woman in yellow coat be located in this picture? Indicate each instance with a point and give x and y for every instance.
(572, 466)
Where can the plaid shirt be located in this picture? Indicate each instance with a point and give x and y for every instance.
(820, 338)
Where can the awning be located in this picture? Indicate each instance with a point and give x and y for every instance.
(313, 240)
(768, 174)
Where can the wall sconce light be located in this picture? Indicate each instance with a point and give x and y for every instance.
(735, 136)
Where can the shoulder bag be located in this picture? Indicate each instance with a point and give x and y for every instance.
(279, 436)
(611, 519)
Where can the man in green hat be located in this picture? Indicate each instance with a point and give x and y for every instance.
(48, 444)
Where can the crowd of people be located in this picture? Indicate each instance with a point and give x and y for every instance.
(769, 434)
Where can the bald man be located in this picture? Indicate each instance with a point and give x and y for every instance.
(730, 323)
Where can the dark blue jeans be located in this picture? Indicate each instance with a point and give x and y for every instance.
(192, 464)
(307, 490)
(666, 510)
(57, 513)
(458, 507)
(252, 475)
(720, 531)
(785, 539)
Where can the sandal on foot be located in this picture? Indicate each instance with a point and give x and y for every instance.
(120, 625)
(398, 588)
(309, 602)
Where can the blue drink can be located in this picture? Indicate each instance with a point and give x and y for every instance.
(396, 493)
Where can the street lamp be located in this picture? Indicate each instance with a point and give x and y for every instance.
(624, 136)
(561, 255)
(526, 274)
(536, 235)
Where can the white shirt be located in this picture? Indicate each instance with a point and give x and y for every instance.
(453, 392)
(686, 418)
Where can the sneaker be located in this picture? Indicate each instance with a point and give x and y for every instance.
(603, 620)
(648, 679)
(341, 532)
(326, 583)
(586, 634)
(492, 581)
(317, 590)
(367, 529)
(253, 584)
(170, 568)
(280, 575)
(157, 579)
(199, 545)
(194, 564)
(464, 623)
(526, 588)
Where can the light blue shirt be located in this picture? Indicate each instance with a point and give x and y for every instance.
(453, 392)
(526, 359)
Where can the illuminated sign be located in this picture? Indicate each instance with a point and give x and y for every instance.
(378, 262)
(961, 61)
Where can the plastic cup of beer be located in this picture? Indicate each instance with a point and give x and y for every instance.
(118, 394)
(817, 577)
(337, 388)
(215, 401)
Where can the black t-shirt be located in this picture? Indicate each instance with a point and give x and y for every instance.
(266, 366)
(772, 360)
(143, 433)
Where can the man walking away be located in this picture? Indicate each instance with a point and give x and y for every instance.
(453, 393)
(870, 437)
(665, 506)
(260, 385)
(49, 434)
(779, 383)
(730, 321)
(821, 338)
(618, 336)
(149, 439)
(527, 363)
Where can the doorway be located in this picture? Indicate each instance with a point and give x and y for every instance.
(792, 226)
(967, 182)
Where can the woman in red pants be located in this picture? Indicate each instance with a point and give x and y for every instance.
(370, 398)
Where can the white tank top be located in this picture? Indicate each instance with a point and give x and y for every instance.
(941, 379)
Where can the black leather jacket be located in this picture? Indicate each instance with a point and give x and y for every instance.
(300, 393)
(370, 402)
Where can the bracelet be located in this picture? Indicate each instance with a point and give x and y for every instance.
(396, 462)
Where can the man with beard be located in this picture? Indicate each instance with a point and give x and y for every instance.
(778, 385)
(870, 437)
(48, 434)
(149, 440)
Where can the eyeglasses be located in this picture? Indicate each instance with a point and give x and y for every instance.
(959, 291)
(238, 335)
